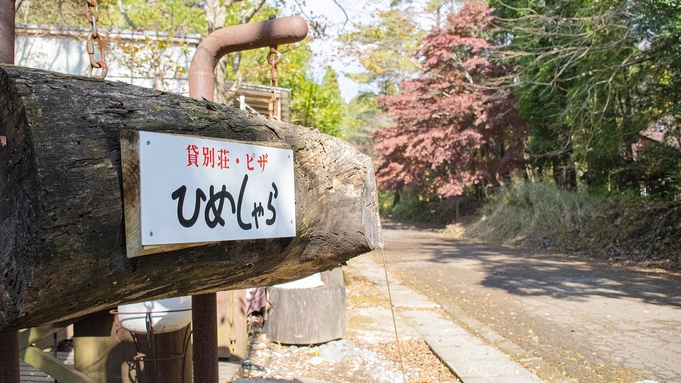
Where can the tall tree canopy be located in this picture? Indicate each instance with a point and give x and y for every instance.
(385, 48)
(592, 76)
(319, 106)
(451, 130)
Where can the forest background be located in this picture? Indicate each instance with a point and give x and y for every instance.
(543, 123)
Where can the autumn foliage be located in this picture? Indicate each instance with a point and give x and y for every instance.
(452, 129)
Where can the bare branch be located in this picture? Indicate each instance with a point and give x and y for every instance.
(246, 16)
(127, 18)
(345, 13)
(301, 9)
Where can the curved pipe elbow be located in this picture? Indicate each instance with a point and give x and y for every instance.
(237, 38)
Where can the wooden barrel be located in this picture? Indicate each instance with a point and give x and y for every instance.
(308, 316)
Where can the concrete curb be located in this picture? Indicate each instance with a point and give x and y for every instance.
(469, 357)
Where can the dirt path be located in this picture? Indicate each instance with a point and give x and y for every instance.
(560, 316)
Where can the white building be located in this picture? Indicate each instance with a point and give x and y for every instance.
(138, 58)
(150, 59)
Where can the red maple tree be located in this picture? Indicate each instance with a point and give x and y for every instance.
(451, 130)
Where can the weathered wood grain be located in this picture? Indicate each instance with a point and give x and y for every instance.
(309, 315)
(62, 235)
(306, 316)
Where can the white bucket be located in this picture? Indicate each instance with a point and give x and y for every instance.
(309, 282)
(164, 315)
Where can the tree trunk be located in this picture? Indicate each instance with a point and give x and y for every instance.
(564, 173)
(62, 235)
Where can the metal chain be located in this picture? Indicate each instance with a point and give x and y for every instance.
(275, 101)
(93, 17)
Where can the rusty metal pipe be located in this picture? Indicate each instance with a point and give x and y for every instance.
(7, 31)
(237, 38)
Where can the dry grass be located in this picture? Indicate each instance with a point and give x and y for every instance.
(541, 216)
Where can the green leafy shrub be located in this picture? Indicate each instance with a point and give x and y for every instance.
(411, 206)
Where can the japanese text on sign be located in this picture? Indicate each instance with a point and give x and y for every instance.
(208, 158)
(199, 190)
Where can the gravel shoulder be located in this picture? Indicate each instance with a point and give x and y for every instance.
(368, 353)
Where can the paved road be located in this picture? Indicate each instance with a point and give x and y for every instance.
(559, 316)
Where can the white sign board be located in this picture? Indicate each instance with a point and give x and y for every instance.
(199, 190)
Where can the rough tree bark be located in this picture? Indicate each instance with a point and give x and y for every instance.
(62, 238)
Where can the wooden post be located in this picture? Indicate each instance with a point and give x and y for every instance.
(95, 344)
(173, 369)
(9, 357)
(238, 336)
(308, 316)
(205, 329)
(232, 335)
(106, 353)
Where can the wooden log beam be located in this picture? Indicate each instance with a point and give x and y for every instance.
(62, 235)
(29, 336)
(52, 366)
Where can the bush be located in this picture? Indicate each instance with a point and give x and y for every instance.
(386, 200)
(412, 207)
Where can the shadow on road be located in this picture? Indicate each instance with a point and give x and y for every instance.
(529, 273)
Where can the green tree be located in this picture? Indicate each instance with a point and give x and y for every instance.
(361, 118)
(169, 16)
(657, 26)
(331, 105)
(66, 12)
(312, 104)
(159, 25)
(319, 106)
(386, 48)
(579, 70)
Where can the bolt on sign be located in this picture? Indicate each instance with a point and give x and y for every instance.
(194, 190)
